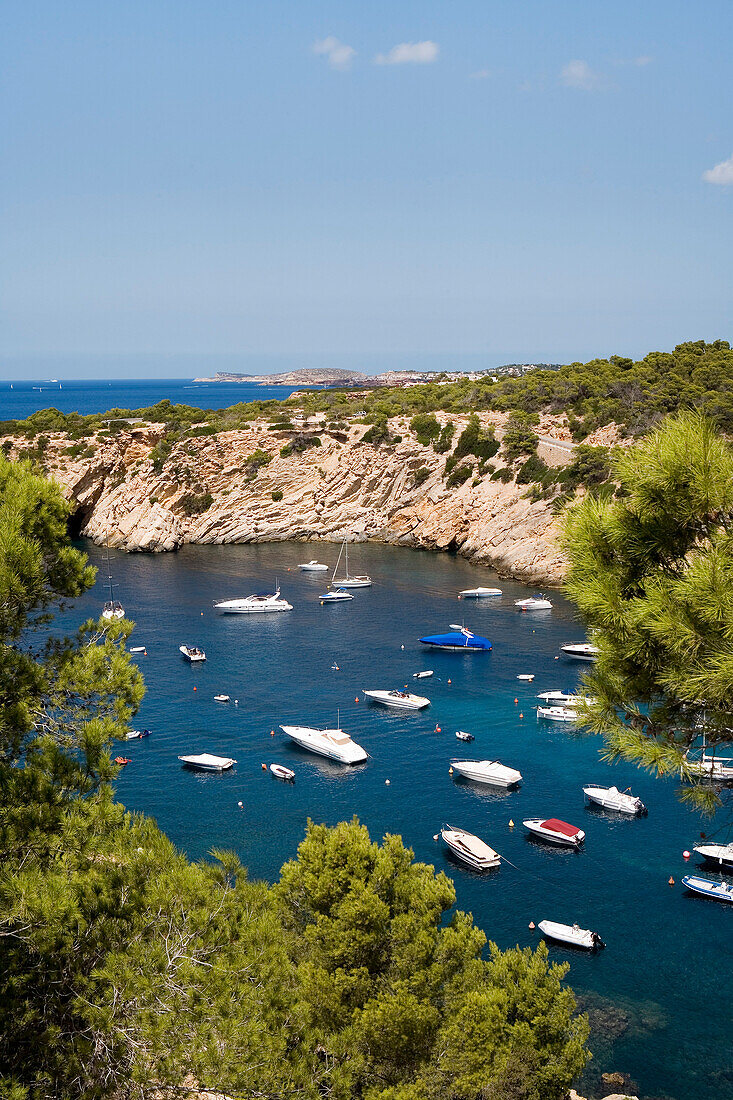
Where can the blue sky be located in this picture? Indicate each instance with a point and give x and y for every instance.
(521, 180)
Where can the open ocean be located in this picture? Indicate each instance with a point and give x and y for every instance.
(656, 994)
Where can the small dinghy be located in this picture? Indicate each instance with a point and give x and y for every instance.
(528, 676)
(422, 675)
(537, 602)
(336, 595)
(122, 760)
(487, 771)
(479, 593)
(404, 700)
(221, 698)
(192, 653)
(572, 934)
(281, 772)
(558, 714)
(463, 735)
(313, 566)
(469, 849)
(136, 735)
(207, 762)
(138, 649)
(611, 798)
(709, 888)
(555, 831)
(720, 854)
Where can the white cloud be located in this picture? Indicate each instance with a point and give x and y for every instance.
(641, 61)
(578, 74)
(409, 53)
(481, 74)
(338, 54)
(722, 173)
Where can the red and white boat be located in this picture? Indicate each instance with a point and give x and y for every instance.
(555, 831)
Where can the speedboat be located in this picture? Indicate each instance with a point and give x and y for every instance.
(335, 744)
(722, 854)
(192, 653)
(136, 735)
(611, 798)
(313, 566)
(422, 675)
(558, 714)
(580, 651)
(257, 603)
(402, 699)
(478, 593)
(469, 849)
(458, 639)
(709, 888)
(207, 762)
(281, 772)
(487, 771)
(537, 602)
(347, 581)
(113, 609)
(572, 934)
(221, 698)
(335, 595)
(567, 697)
(555, 831)
(463, 735)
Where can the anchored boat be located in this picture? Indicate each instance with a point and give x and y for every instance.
(401, 699)
(192, 653)
(580, 651)
(538, 602)
(281, 772)
(571, 934)
(709, 888)
(458, 639)
(722, 854)
(313, 566)
(557, 714)
(555, 831)
(479, 593)
(487, 771)
(335, 744)
(470, 849)
(347, 581)
(611, 798)
(207, 762)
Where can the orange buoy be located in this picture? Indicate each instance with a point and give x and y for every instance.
(194, 689)
(264, 767)
(357, 699)
(532, 926)
(521, 715)
(516, 700)
(511, 823)
(438, 729)
(449, 681)
(671, 881)
(272, 733)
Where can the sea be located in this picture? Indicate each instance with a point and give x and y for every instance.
(656, 995)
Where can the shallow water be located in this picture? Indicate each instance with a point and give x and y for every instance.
(658, 994)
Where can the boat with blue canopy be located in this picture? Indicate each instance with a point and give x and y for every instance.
(459, 639)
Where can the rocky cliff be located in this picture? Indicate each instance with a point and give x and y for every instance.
(143, 492)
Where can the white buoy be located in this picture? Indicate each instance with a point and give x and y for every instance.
(386, 782)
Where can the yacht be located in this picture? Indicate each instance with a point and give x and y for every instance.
(207, 762)
(558, 714)
(335, 744)
(708, 766)
(470, 849)
(313, 566)
(555, 831)
(192, 653)
(112, 609)
(534, 603)
(402, 699)
(257, 603)
(611, 798)
(572, 934)
(722, 854)
(487, 771)
(336, 595)
(580, 651)
(478, 593)
(457, 639)
(347, 581)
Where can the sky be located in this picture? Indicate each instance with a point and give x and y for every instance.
(520, 181)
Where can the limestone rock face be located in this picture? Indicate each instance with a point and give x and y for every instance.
(210, 489)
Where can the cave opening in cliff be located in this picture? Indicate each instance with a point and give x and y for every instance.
(77, 522)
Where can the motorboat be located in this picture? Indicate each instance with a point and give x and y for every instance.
(334, 743)
(567, 697)
(313, 566)
(469, 849)
(281, 772)
(221, 698)
(555, 831)
(258, 603)
(558, 714)
(478, 593)
(528, 676)
(335, 595)
(487, 771)
(709, 888)
(458, 639)
(347, 581)
(137, 735)
(192, 653)
(537, 602)
(402, 699)
(611, 798)
(112, 608)
(207, 762)
(422, 675)
(722, 854)
(463, 735)
(571, 934)
(580, 651)
(138, 649)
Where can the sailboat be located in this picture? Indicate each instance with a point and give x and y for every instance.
(347, 581)
(112, 609)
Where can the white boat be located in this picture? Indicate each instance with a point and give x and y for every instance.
(463, 735)
(112, 609)
(335, 595)
(709, 766)
(478, 593)
(422, 675)
(313, 566)
(722, 854)
(566, 697)
(555, 831)
(470, 849)
(572, 934)
(534, 603)
(207, 762)
(611, 798)
(528, 676)
(558, 714)
(136, 735)
(487, 771)
(257, 603)
(580, 651)
(347, 581)
(138, 649)
(221, 698)
(335, 744)
(709, 888)
(192, 653)
(402, 699)
(281, 772)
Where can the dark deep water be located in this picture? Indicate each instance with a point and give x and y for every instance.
(659, 995)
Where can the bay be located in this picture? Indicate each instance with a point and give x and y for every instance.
(655, 992)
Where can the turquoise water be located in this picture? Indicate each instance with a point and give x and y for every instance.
(658, 994)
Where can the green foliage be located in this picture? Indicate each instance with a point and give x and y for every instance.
(425, 427)
(475, 440)
(193, 504)
(378, 433)
(652, 572)
(253, 463)
(458, 475)
(591, 466)
(445, 439)
(519, 439)
(421, 474)
(277, 495)
(160, 454)
(533, 469)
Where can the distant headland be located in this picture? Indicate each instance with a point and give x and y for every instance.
(322, 376)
